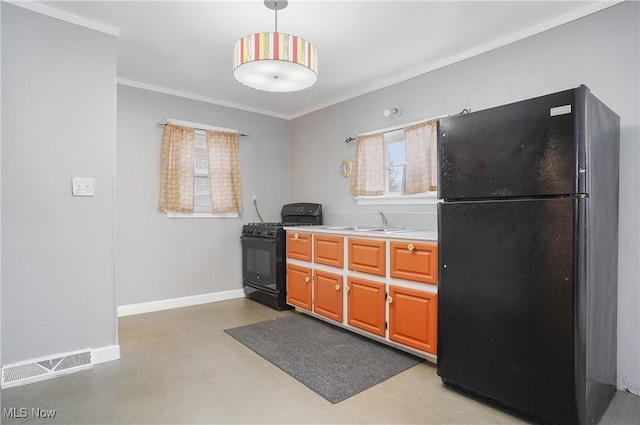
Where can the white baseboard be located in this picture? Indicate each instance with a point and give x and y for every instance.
(105, 354)
(151, 306)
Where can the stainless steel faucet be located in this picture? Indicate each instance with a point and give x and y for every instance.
(385, 223)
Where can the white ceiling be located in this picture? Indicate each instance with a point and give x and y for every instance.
(185, 47)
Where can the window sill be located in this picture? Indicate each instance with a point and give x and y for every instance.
(202, 215)
(429, 198)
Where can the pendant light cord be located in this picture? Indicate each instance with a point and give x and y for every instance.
(276, 16)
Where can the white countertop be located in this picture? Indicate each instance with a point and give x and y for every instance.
(423, 235)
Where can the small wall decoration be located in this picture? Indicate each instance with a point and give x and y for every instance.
(346, 168)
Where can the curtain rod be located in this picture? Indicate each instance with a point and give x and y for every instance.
(390, 129)
(202, 129)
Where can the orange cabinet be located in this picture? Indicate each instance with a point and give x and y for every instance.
(394, 305)
(328, 250)
(365, 305)
(299, 245)
(367, 255)
(414, 261)
(412, 318)
(299, 286)
(327, 289)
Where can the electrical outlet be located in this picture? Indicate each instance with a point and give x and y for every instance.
(254, 198)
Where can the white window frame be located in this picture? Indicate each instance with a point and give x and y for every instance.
(200, 211)
(394, 134)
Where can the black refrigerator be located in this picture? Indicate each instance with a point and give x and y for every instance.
(528, 255)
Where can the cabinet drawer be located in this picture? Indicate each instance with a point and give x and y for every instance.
(327, 289)
(299, 286)
(299, 245)
(365, 305)
(414, 261)
(367, 255)
(328, 250)
(412, 318)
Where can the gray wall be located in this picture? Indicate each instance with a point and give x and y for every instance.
(600, 51)
(58, 115)
(159, 258)
(1, 190)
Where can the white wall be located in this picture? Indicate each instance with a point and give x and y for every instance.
(58, 115)
(601, 51)
(159, 258)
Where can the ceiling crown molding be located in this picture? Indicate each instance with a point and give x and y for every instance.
(64, 16)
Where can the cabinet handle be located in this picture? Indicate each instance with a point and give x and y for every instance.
(337, 287)
(389, 300)
(296, 236)
(306, 279)
(346, 288)
(410, 247)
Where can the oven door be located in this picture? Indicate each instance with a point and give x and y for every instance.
(259, 262)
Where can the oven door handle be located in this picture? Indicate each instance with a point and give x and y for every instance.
(255, 239)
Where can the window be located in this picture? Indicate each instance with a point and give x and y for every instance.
(396, 158)
(201, 188)
(190, 194)
(410, 166)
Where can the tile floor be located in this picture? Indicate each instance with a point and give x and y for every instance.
(179, 367)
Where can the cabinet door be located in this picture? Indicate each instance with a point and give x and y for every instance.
(328, 250)
(327, 289)
(299, 245)
(414, 261)
(365, 305)
(299, 286)
(412, 318)
(367, 255)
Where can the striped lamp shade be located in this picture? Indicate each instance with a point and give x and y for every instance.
(275, 62)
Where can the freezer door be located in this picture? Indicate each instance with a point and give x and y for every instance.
(524, 149)
(505, 303)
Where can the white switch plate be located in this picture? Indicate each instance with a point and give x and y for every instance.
(83, 186)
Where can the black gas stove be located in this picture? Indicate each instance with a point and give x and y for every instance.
(264, 253)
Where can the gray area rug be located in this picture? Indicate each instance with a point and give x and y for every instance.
(331, 361)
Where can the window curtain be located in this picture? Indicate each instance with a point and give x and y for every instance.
(368, 178)
(176, 193)
(224, 171)
(422, 157)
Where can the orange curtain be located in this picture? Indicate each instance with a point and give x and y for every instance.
(224, 171)
(176, 193)
(368, 178)
(422, 157)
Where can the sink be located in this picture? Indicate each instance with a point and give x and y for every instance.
(385, 230)
(354, 228)
(388, 230)
(364, 229)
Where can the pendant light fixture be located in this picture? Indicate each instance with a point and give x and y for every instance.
(275, 62)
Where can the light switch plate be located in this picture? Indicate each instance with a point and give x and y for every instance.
(83, 186)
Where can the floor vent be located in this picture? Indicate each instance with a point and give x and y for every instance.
(44, 368)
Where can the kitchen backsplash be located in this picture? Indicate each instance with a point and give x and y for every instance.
(409, 220)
